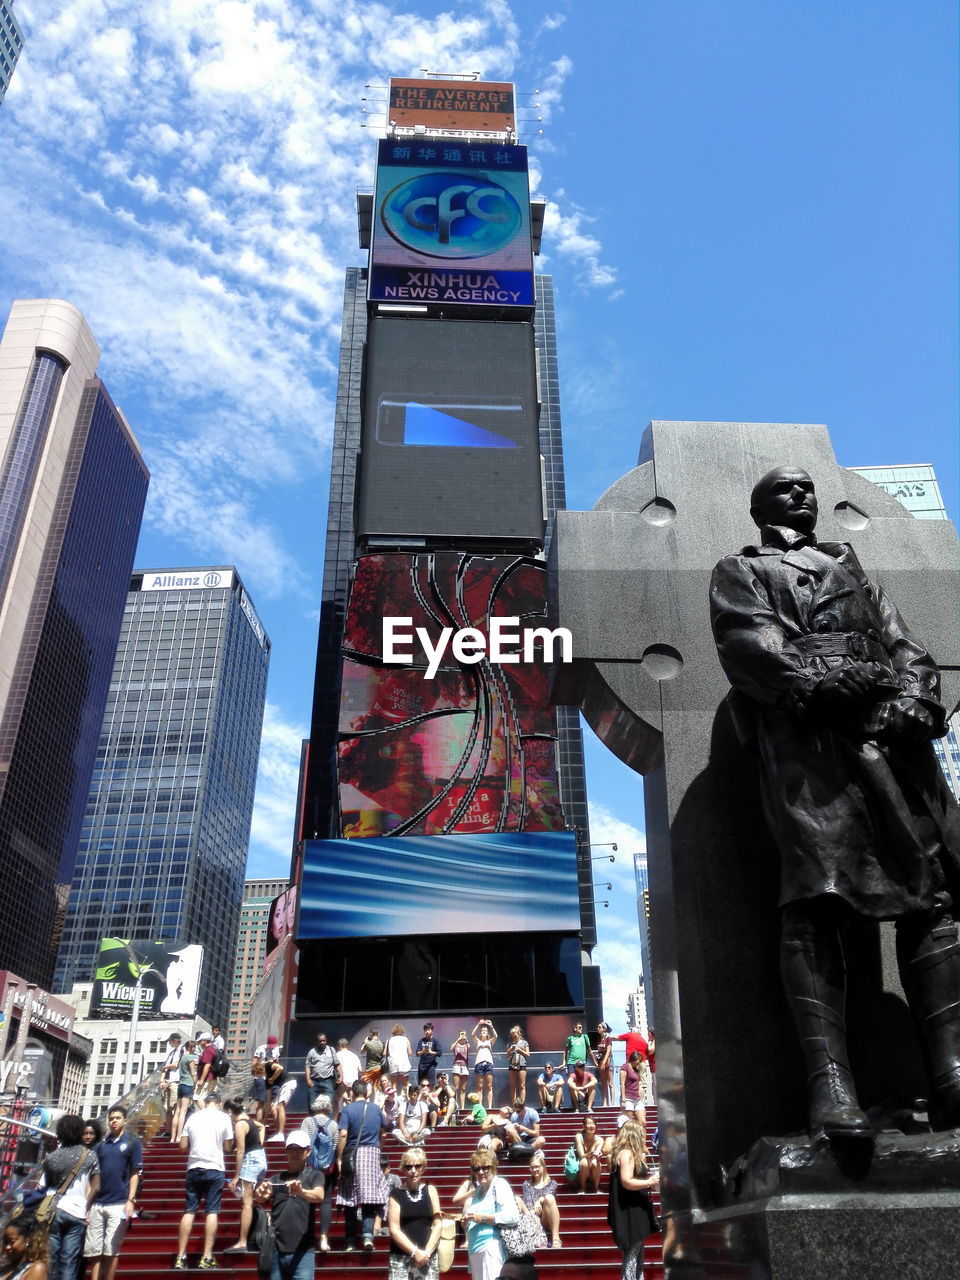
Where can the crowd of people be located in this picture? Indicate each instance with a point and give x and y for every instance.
(334, 1158)
(83, 1203)
(418, 1097)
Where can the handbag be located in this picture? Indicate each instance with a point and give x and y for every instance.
(43, 1210)
(264, 1238)
(447, 1244)
(522, 1239)
(571, 1163)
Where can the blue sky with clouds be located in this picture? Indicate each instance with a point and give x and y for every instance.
(752, 216)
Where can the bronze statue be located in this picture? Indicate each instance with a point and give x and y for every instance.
(841, 703)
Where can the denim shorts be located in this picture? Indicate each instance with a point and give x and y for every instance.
(483, 1069)
(254, 1163)
(205, 1185)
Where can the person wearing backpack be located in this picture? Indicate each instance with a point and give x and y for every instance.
(323, 1132)
(251, 1165)
(206, 1080)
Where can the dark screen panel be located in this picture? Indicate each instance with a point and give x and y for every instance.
(428, 974)
(450, 431)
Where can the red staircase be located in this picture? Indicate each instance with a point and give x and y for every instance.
(588, 1248)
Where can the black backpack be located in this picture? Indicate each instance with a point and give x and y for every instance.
(220, 1066)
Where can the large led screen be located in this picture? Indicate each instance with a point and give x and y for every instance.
(523, 882)
(450, 444)
(451, 224)
(471, 747)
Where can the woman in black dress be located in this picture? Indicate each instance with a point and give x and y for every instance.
(413, 1219)
(629, 1209)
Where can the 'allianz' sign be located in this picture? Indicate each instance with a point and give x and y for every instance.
(186, 580)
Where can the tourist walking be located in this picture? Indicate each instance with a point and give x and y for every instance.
(207, 1136)
(361, 1191)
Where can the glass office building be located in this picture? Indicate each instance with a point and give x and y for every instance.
(11, 44)
(915, 487)
(164, 841)
(72, 489)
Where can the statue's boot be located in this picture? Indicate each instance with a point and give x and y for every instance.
(814, 977)
(929, 959)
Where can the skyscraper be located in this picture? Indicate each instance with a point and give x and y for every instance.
(914, 485)
(446, 472)
(164, 840)
(11, 44)
(248, 965)
(72, 489)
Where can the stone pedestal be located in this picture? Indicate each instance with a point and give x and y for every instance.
(826, 1236)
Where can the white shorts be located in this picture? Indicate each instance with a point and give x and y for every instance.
(629, 1104)
(286, 1091)
(460, 1069)
(106, 1227)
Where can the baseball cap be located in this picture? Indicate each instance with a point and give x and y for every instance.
(299, 1138)
(271, 1039)
(204, 1035)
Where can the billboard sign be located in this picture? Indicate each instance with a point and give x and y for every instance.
(518, 882)
(473, 106)
(451, 224)
(283, 914)
(470, 748)
(166, 973)
(186, 579)
(48, 1014)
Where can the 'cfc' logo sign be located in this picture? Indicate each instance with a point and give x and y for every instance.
(442, 215)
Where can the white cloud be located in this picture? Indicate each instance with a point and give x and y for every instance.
(185, 172)
(274, 807)
(565, 233)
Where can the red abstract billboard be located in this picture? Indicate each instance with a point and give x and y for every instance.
(470, 749)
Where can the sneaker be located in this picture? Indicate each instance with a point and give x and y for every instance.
(277, 1137)
(208, 1264)
(180, 1262)
(368, 1243)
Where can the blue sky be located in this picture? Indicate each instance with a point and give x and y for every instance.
(752, 216)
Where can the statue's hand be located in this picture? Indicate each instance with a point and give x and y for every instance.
(842, 686)
(907, 719)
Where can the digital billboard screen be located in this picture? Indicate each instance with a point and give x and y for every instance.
(476, 106)
(518, 882)
(450, 446)
(167, 973)
(283, 914)
(471, 747)
(451, 224)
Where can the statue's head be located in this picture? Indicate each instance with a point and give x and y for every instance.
(785, 496)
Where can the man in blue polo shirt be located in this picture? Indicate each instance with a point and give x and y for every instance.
(121, 1163)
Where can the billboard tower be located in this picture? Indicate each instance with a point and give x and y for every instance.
(439, 867)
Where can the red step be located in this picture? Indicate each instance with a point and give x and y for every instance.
(588, 1247)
